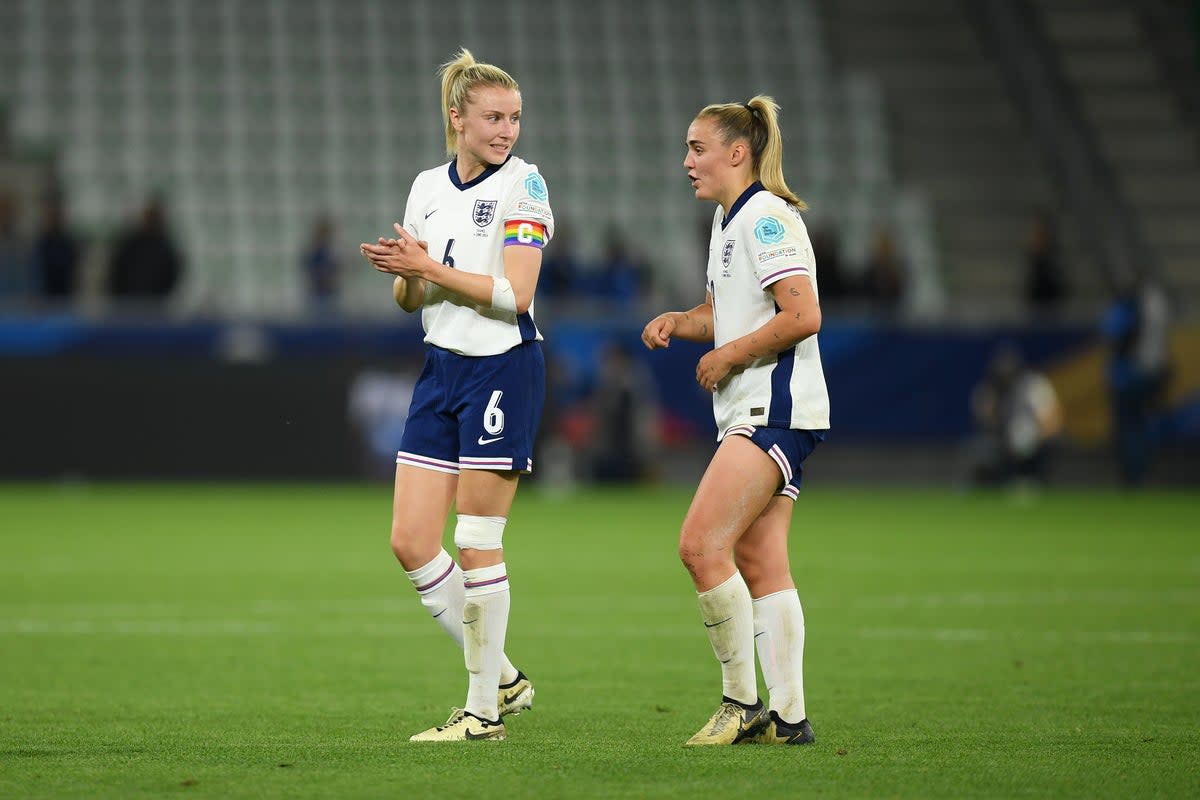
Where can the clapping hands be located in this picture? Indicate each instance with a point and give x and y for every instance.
(404, 256)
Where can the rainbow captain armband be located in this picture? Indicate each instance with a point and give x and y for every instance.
(524, 232)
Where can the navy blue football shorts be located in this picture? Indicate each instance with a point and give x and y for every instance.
(787, 447)
(475, 412)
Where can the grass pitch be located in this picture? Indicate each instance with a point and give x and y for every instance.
(260, 642)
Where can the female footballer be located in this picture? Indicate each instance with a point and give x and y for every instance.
(476, 406)
(771, 406)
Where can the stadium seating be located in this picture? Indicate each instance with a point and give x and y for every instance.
(253, 116)
(1116, 72)
(959, 134)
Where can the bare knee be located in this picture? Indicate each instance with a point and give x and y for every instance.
(706, 563)
(690, 557)
(412, 549)
(750, 565)
(763, 572)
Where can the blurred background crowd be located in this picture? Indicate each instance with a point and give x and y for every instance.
(1005, 212)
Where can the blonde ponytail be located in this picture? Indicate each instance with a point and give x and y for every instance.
(758, 123)
(459, 77)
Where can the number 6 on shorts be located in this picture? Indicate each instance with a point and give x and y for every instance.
(493, 415)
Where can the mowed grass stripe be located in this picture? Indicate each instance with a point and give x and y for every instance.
(259, 641)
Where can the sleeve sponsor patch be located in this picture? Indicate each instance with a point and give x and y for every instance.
(776, 253)
(529, 208)
(768, 230)
(529, 233)
(536, 187)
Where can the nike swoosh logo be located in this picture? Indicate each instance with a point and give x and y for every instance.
(470, 621)
(715, 624)
(431, 213)
(511, 698)
(482, 440)
(438, 614)
(760, 633)
(478, 735)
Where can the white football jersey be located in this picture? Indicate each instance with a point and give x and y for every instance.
(762, 241)
(468, 225)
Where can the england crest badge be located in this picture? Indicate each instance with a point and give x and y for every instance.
(484, 213)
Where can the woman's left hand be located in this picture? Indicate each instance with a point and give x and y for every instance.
(404, 256)
(712, 368)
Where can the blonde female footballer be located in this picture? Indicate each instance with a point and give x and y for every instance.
(771, 407)
(478, 402)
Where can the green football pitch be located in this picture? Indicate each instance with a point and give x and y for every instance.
(259, 641)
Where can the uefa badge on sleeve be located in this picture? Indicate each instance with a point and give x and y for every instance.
(768, 230)
(536, 187)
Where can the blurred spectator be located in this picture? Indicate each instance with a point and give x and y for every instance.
(1045, 283)
(1018, 417)
(321, 265)
(623, 277)
(14, 252)
(145, 264)
(553, 457)
(55, 253)
(1137, 327)
(827, 254)
(885, 275)
(625, 417)
(561, 266)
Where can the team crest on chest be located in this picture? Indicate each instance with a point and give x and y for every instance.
(484, 213)
(726, 257)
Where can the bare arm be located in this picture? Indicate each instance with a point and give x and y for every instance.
(798, 318)
(414, 267)
(693, 326)
(408, 292)
(521, 267)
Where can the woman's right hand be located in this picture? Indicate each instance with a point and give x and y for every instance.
(657, 332)
(395, 256)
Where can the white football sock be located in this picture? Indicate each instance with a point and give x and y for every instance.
(440, 585)
(729, 621)
(779, 637)
(485, 623)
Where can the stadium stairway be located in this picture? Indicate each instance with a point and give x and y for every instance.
(1109, 60)
(957, 133)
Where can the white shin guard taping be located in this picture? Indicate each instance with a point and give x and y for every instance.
(479, 533)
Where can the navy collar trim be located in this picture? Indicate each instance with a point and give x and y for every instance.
(488, 172)
(752, 190)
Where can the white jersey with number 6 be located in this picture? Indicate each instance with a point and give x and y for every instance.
(468, 225)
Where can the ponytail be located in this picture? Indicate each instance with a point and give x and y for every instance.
(459, 77)
(758, 123)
